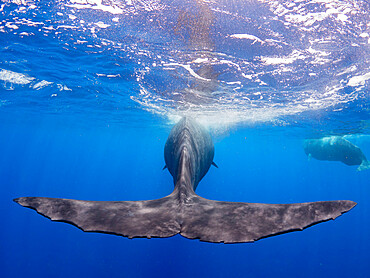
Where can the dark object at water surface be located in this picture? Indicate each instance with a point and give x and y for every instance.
(336, 148)
(188, 154)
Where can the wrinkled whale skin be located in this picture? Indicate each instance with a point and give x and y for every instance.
(188, 155)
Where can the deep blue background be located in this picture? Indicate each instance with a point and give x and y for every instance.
(71, 159)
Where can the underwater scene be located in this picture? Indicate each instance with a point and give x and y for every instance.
(192, 138)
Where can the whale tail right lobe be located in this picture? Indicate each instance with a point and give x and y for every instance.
(233, 222)
(197, 218)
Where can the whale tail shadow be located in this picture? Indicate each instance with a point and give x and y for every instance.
(197, 218)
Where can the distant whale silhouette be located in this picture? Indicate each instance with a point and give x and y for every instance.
(336, 148)
(188, 155)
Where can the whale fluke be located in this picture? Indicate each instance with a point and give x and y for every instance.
(189, 154)
(198, 218)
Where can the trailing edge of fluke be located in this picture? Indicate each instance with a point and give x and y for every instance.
(189, 153)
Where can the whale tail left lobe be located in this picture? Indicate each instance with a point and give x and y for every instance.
(197, 218)
(153, 218)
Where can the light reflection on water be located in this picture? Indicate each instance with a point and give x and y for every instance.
(223, 62)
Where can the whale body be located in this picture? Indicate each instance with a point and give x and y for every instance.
(188, 153)
(336, 148)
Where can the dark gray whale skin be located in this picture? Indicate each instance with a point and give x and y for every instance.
(336, 148)
(188, 154)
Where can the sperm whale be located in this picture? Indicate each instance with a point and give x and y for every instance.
(188, 153)
(336, 148)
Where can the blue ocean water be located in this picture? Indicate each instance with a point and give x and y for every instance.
(90, 89)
